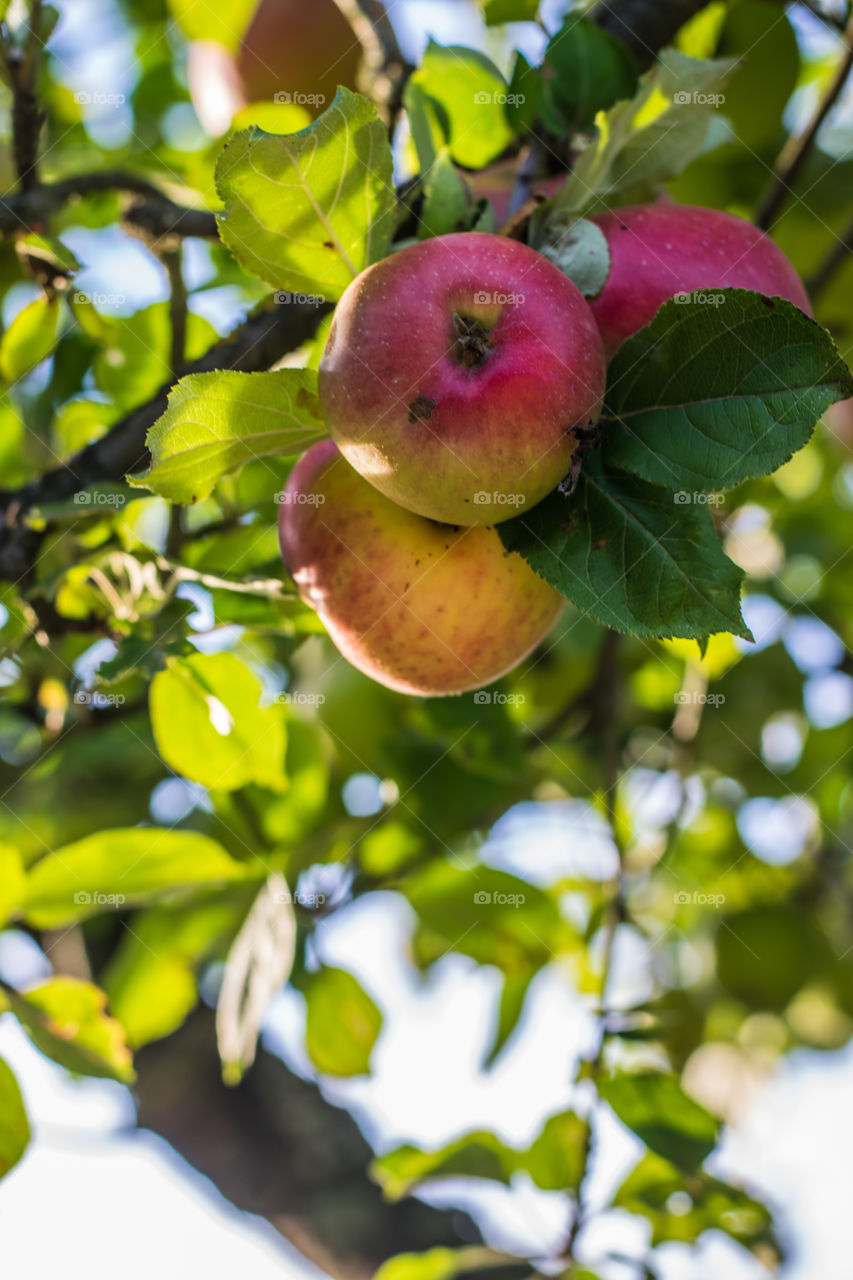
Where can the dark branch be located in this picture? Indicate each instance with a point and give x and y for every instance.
(255, 346)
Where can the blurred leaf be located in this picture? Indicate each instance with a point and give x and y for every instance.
(137, 362)
(151, 980)
(706, 397)
(513, 994)
(50, 250)
(209, 726)
(332, 183)
(432, 1264)
(766, 954)
(469, 94)
(651, 138)
(759, 88)
(556, 1160)
(122, 867)
(591, 548)
(585, 70)
(12, 882)
(217, 421)
(658, 1110)
(445, 207)
(68, 1021)
(496, 12)
(476, 1155)
(342, 1024)
(14, 1125)
(258, 964)
(29, 339)
(226, 24)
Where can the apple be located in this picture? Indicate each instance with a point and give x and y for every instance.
(659, 250)
(455, 372)
(292, 51)
(421, 607)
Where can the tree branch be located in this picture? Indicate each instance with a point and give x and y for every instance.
(387, 68)
(796, 151)
(256, 345)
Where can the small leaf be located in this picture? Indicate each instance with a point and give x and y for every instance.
(720, 389)
(432, 1264)
(342, 1024)
(585, 70)
(49, 249)
(496, 12)
(470, 95)
(310, 210)
(513, 994)
(446, 207)
(121, 867)
(476, 1155)
(13, 883)
(209, 726)
(226, 24)
(68, 1021)
(14, 1125)
(30, 338)
(630, 556)
(217, 421)
(658, 1110)
(577, 246)
(258, 964)
(556, 1160)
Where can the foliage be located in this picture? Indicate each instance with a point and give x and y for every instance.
(153, 639)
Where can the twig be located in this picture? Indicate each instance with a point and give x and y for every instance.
(387, 68)
(255, 345)
(796, 150)
(154, 213)
(27, 117)
(172, 259)
(836, 257)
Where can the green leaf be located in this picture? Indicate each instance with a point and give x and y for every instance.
(68, 1021)
(576, 246)
(557, 1158)
(30, 338)
(712, 393)
(136, 362)
(513, 994)
(208, 724)
(766, 954)
(310, 210)
(151, 979)
(632, 557)
(476, 1155)
(226, 24)
(470, 95)
(708, 1205)
(49, 249)
(122, 867)
(12, 882)
(496, 12)
(658, 1110)
(432, 1264)
(14, 1125)
(217, 421)
(652, 137)
(446, 207)
(258, 964)
(342, 1024)
(585, 70)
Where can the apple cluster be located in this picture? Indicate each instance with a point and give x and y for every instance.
(458, 377)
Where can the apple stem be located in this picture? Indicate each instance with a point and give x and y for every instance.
(472, 340)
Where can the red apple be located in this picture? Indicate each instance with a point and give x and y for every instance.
(454, 373)
(659, 250)
(421, 607)
(292, 51)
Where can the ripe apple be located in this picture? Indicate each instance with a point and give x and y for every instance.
(298, 49)
(454, 373)
(421, 607)
(659, 250)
